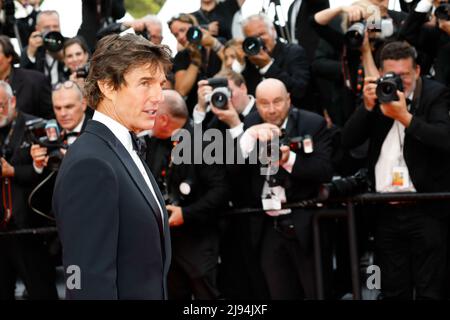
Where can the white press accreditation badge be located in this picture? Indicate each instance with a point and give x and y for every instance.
(274, 198)
(400, 177)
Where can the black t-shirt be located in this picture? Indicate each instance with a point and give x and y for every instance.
(183, 60)
(224, 13)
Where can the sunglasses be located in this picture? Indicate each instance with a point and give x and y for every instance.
(66, 85)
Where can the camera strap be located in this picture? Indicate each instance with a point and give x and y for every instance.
(7, 200)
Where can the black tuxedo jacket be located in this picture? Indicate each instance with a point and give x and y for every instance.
(304, 32)
(109, 222)
(309, 171)
(427, 139)
(32, 91)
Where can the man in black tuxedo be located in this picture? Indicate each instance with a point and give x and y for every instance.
(36, 57)
(195, 195)
(32, 91)
(299, 26)
(24, 256)
(283, 236)
(110, 214)
(409, 151)
(69, 106)
(286, 62)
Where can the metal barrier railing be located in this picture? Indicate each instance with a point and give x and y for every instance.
(321, 211)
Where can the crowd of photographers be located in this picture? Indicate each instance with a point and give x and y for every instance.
(356, 95)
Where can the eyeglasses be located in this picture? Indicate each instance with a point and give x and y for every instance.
(66, 85)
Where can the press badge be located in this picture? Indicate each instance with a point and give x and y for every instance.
(400, 177)
(308, 144)
(274, 198)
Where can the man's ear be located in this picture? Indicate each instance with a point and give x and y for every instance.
(107, 89)
(84, 104)
(13, 102)
(417, 70)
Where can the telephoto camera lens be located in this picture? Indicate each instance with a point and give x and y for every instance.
(354, 37)
(194, 35)
(387, 87)
(252, 46)
(53, 41)
(443, 11)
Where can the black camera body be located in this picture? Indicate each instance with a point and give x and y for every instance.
(82, 72)
(346, 186)
(252, 45)
(221, 93)
(194, 35)
(443, 11)
(387, 87)
(354, 37)
(46, 134)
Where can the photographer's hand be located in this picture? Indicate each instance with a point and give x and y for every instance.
(176, 215)
(39, 155)
(397, 110)
(213, 28)
(261, 60)
(194, 54)
(229, 115)
(264, 131)
(203, 90)
(369, 92)
(7, 169)
(355, 12)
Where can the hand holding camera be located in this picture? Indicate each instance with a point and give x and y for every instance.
(256, 51)
(39, 155)
(204, 90)
(175, 215)
(397, 109)
(369, 93)
(229, 115)
(6, 168)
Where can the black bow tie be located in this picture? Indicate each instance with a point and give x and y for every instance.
(138, 145)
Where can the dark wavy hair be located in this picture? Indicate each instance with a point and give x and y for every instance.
(398, 50)
(8, 49)
(115, 56)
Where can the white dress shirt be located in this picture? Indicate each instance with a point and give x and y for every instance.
(123, 135)
(391, 156)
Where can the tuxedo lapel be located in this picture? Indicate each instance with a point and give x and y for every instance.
(116, 146)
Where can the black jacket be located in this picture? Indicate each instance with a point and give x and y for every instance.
(290, 66)
(41, 64)
(433, 43)
(427, 139)
(309, 171)
(208, 187)
(32, 91)
(304, 32)
(25, 178)
(108, 221)
(91, 22)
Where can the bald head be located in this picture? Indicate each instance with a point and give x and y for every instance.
(172, 115)
(272, 101)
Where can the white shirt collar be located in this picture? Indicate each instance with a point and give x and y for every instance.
(77, 129)
(249, 106)
(118, 129)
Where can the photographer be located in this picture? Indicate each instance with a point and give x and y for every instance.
(69, 107)
(32, 90)
(271, 58)
(194, 194)
(149, 26)
(218, 16)
(76, 58)
(407, 121)
(46, 58)
(24, 256)
(200, 59)
(283, 236)
(340, 60)
(432, 40)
